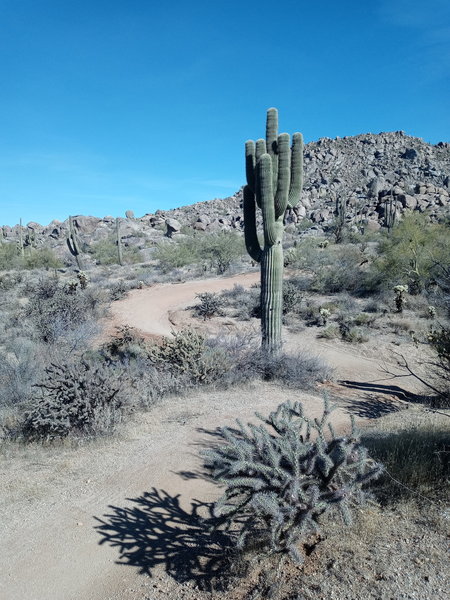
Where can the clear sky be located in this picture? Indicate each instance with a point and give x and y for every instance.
(109, 105)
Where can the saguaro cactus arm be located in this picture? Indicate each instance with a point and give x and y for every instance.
(250, 232)
(250, 163)
(264, 175)
(283, 180)
(296, 187)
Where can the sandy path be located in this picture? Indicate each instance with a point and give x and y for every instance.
(52, 497)
(149, 309)
(50, 544)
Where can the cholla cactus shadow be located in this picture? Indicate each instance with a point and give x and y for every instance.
(156, 530)
(282, 476)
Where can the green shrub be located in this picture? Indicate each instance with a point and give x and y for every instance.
(350, 333)
(292, 297)
(364, 319)
(175, 254)
(220, 250)
(10, 257)
(329, 333)
(282, 476)
(105, 252)
(187, 352)
(245, 302)
(213, 251)
(414, 254)
(53, 310)
(82, 397)
(36, 258)
(125, 345)
(210, 305)
(42, 258)
(439, 341)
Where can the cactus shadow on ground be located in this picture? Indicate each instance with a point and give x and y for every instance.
(156, 531)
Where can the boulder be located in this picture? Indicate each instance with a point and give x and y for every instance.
(371, 225)
(199, 226)
(407, 201)
(173, 227)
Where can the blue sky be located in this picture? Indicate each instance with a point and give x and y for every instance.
(111, 105)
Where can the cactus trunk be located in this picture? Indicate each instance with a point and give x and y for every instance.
(271, 298)
(73, 243)
(274, 183)
(119, 242)
(21, 246)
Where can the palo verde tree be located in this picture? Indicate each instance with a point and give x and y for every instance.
(274, 183)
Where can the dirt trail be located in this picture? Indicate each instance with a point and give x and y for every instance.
(150, 309)
(53, 498)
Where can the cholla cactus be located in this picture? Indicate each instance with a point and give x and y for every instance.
(431, 312)
(400, 300)
(71, 286)
(324, 314)
(279, 481)
(83, 279)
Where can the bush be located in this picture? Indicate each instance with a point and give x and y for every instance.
(10, 258)
(210, 305)
(125, 346)
(221, 249)
(118, 290)
(300, 371)
(349, 333)
(439, 341)
(416, 253)
(53, 310)
(292, 297)
(214, 251)
(82, 397)
(42, 258)
(280, 477)
(20, 366)
(105, 252)
(175, 254)
(245, 302)
(187, 352)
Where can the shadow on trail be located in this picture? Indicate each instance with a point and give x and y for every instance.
(372, 404)
(156, 530)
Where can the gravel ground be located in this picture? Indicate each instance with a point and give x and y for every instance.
(388, 554)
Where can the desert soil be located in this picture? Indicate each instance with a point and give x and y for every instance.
(115, 519)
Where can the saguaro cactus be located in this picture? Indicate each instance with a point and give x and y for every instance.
(21, 246)
(73, 243)
(274, 183)
(119, 242)
(390, 213)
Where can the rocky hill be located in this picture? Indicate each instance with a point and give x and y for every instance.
(366, 172)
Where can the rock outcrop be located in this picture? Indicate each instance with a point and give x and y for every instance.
(372, 174)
